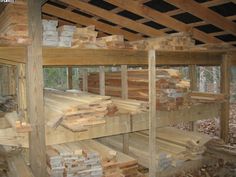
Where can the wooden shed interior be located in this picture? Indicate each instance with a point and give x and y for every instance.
(125, 117)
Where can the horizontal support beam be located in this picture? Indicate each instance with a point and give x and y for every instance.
(96, 57)
(10, 55)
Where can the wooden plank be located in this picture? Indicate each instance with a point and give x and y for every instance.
(85, 57)
(37, 148)
(124, 94)
(152, 112)
(205, 14)
(163, 19)
(69, 77)
(102, 80)
(114, 18)
(80, 19)
(13, 54)
(225, 89)
(193, 86)
(85, 80)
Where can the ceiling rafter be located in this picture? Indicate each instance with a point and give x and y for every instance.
(205, 14)
(163, 19)
(76, 18)
(114, 18)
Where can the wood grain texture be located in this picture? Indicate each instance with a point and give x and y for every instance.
(152, 112)
(37, 148)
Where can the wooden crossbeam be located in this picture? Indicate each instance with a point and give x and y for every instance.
(205, 14)
(114, 18)
(163, 19)
(71, 16)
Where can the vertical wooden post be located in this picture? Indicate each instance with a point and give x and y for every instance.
(124, 95)
(37, 147)
(85, 80)
(69, 77)
(152, 112)
(193, 87)
(102, 80)
(21, 92)
(225, 89)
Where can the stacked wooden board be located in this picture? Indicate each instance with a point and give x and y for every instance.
(76, 111)
(50, 33)
(88, 158)
(14, 24)
(172, 91)
(177, 41)
(174, 146)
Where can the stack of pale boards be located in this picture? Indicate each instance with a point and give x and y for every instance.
(172, 91)
(88, 158)
(87, 38)
(79, 110)
(14, 24)
(174, 146)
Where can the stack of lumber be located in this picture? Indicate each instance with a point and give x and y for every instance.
(202, 97)
(76, 111)
(14, 24)
(112, 42)
(85, 37)
(89, 158)
(173, 146)
(7, 104)
(68, 160)
(179, 41)
(172, 91)
(50, 33)
(66, 35)
(130, 105)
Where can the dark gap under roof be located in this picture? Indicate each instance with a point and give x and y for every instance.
(197, 42)
(107, 22)
(129, 30)
(103, 4)
(225, 10)
(145, 36)
(227, 37)
(81, 13)
(209, 28)
(160, 5)
(129, 15)
(57, 4)
(154, 25)
(187, 18)
(201, 1)
(171, 32)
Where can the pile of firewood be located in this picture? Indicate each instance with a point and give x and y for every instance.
(7, 104)
(172, 91)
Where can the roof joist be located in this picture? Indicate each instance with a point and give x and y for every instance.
(205, 14)
(163, 19)
(114, 18)
(76, 18)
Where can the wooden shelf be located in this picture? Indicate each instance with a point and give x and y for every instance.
(124, 123)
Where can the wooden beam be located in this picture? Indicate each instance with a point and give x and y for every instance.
(102, 80)
(225, 89)
(114, 18)
(13, 54)
(85, 80)
(37, 147)
(70, 77)
(85, 57)
(76, 18)
(163, 19)
(193, 87)
(124, 94)
(152, 112)
(205, 14)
